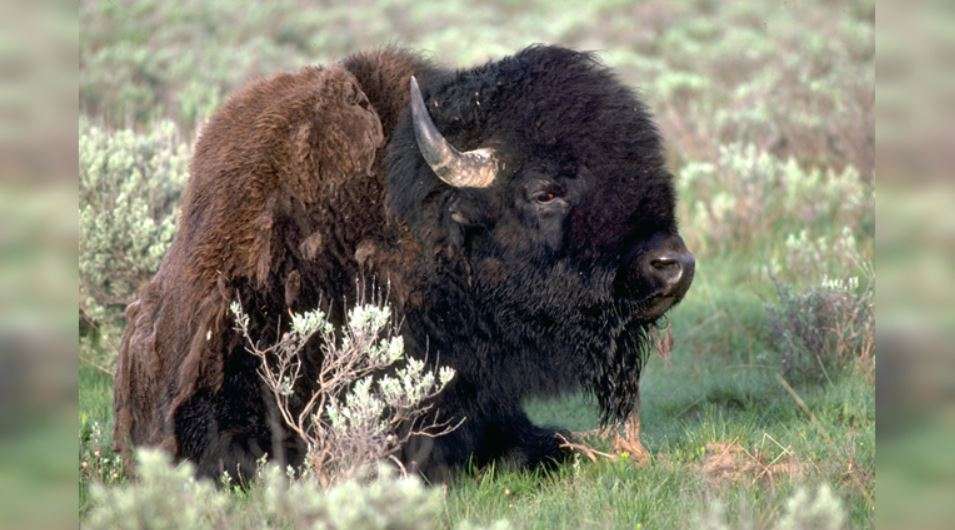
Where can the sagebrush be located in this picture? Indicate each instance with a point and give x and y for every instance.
(825, 327)
(367, 398)
(805, 509)
(130, 185)
(164, 495)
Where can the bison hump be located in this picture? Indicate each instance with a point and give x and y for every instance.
(289, 142)
(279, 150)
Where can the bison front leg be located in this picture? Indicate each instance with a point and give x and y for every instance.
(623, 438)
(531, 446)
(626, 439)
(233, 429)
(489, 432)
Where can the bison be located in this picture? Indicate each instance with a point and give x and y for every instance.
(520, 212)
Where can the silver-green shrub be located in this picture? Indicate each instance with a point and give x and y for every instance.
(826, 326)
(389, 501)
(820, 510)
(368, 399)
(749, 195)
(164, 496)
(167, 496)
(814, 258)
(129, 189)
(823, 314)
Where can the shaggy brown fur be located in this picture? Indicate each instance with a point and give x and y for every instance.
(283, 174)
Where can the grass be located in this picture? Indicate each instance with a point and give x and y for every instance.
(766, 109)
(95, 405)
(700, 397)
(719, 386)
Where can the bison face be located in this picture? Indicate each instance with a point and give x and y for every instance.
(536, 189)
(530, 227)
(545, 175)
(595, 222)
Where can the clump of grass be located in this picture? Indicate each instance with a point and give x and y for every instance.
(98, 462)
(826, 327)
(728, 462)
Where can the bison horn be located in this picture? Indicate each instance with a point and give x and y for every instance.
(472, 169)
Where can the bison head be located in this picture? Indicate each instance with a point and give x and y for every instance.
(543, 177)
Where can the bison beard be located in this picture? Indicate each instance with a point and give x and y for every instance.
(303, 184)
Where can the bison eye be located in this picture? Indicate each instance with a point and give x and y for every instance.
(545, 197)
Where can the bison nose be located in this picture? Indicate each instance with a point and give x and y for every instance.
(673, 270)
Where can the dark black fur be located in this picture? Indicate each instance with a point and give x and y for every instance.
(521, 306)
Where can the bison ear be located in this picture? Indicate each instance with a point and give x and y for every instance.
(459, 216)
(467, 211)
(465, 216)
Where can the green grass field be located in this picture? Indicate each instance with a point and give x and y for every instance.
(766, 108)
(697, 398)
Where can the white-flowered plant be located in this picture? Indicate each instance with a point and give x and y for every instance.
(822, 511)
(826, 325)
(807, 258)
(165, 495)
(365, 398)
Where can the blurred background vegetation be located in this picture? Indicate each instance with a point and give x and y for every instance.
(38, 256)
(916, 249)
(767, 109)
(768, 112)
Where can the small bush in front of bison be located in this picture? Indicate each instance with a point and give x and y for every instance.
(163, 496)
(828, 326)
(352, 423)
(354, 413)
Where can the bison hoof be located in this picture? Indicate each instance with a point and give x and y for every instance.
(545, 450)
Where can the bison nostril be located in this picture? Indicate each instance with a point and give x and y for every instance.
(672, 269)
(665, 262)
(667, 267)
